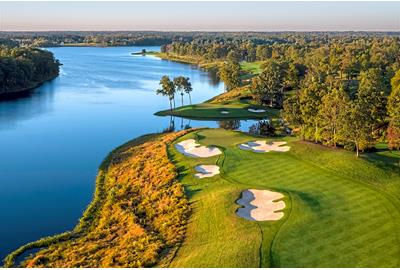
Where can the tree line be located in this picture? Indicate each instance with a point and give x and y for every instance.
(23, 68)
(222, 41)
(330, 115)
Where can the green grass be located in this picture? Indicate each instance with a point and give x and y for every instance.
(212, 111)
(342, 211)
(384, 157)
(252, 67)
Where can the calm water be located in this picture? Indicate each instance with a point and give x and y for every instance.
(52, 141)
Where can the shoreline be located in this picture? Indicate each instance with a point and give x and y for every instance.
(25, 91)
(91, 215)
(85, 221)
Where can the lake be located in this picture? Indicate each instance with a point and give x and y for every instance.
(53, 139)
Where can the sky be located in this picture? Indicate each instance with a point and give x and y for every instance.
(200, 16)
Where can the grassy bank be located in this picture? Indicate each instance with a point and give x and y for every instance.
(186, 60)
(137, 216)
(341, 211)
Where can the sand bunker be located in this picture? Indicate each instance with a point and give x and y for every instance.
(256, 110)
(224, 112)
(206, 171)
(260, 205)
(264, 147)
(192, 149)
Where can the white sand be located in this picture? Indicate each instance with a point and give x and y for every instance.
(192, 149)
(256, 110)
(224, 112)
(264, 147)
(206, 171)
(260, 205)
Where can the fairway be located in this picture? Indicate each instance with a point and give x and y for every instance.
(340, 211)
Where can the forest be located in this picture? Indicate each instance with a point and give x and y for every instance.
(158, 38)
(338, 90)
(23, 68)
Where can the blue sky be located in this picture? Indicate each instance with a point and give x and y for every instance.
(209, 16)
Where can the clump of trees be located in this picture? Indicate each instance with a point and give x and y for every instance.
(139, 216)
(338, 89)
(25, 68)
(329, 114)
(169, 88)
(229, 73)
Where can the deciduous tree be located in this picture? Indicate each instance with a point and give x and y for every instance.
(393, 109)
(268, 86)
(230, 74)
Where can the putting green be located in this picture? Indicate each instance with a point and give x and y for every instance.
(230, 110)
(340, 211)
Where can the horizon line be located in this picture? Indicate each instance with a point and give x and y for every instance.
(211, 31)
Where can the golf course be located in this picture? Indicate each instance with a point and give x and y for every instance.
(229, 110)
(230, 199)
(340, 211)
(314, 182)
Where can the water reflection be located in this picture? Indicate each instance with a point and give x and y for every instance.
(213, 77)
(262, 128)
(229, 124)
(252, 126)
(28, 105)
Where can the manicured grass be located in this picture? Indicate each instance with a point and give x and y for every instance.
(384, 157)
(212, 111)
(342, 211)
(252, 67)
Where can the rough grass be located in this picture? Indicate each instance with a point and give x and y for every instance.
(212, 111)
(341, 211)
(234, 95)
(137, 218)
